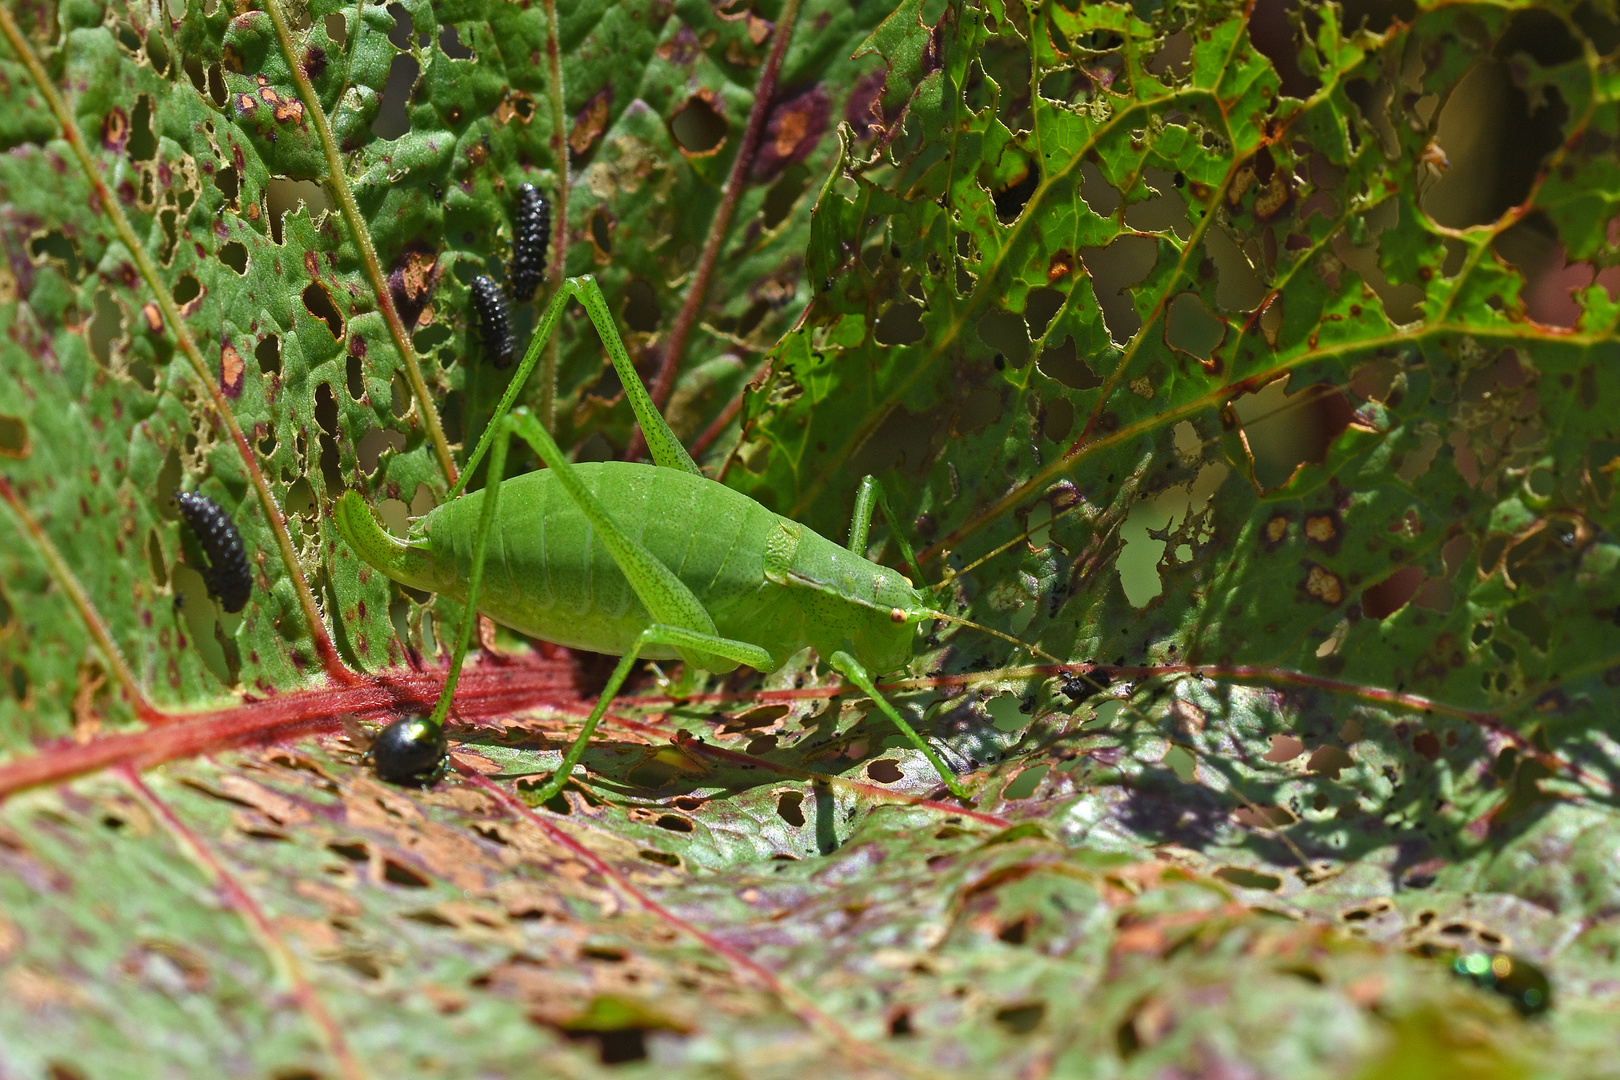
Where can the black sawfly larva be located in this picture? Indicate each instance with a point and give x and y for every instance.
(229, 579)
(531, 233)
(494, 320)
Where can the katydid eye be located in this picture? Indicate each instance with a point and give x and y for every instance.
(411, 750)
(228, 577)
(897, 616)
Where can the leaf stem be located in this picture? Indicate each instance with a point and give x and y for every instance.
(68, 582)
(559, 210)
(171, 313)
(338, 182)
(736, 182)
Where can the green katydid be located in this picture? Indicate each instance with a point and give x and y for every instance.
(635, 560)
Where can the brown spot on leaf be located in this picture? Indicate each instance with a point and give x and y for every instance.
(115, 130)
(590, 122)
(153, 316)
(1324, 585)
(1272, 198)
(230, 371)
(314, 62)
(412, 281)
(1276, 530)
(290, 111)
(1060, 265)
(516, 105)
(1324, 527)
(681, 49)
(791, 133)
(246, 104)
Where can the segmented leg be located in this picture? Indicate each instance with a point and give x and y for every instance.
(851, 669)
(658, 634)
(860, 523)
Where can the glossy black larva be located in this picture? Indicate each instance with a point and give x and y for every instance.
(411, 750)
(229, 579)
(494, 320)
(531, 233)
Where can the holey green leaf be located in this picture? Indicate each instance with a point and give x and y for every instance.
(1256, 368)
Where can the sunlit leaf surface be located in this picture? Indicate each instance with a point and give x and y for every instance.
(1258, 368)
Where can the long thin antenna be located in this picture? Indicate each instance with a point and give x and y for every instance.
(1034, 650)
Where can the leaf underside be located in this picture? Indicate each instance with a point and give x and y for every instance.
(1267, 358)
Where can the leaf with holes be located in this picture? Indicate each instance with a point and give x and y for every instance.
(1255, 367)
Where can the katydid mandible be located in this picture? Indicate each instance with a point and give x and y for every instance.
(636, 560)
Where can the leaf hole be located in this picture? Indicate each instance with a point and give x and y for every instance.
(142, 143)
(187, 289)
(155, 558)
(106, 326)
(55, 245)
(605, 953)
(393, 115)
(1244, 878)
(602, 232)
(318, 302)
(326, 416)
(783, 196)
(1024, 785)
(337, 29)
(228, 183)
(235, 256)
(900, 1025)
(13, 437)
(356, 851)
(674, 823)
(884, 771)
(371, 448)
(697, 127)
(400, 874)
(1011, 199)
(1021, 1019)
(901, 324)
(790, 808)
(1114, 269)
(1017, 931)
(450, 44)
(268, 353)
(641, 312)
(1006, 333)
(1283, 431)
(662, 858)
(283, 195)
(1062, 362)
(1384, 599)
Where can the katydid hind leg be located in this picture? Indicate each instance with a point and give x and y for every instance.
(665, 448)
(402, 750)
(658, 634)
(852, 669)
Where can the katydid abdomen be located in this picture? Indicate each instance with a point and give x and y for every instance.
(762, 578)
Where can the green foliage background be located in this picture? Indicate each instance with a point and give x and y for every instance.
(1266, 358)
